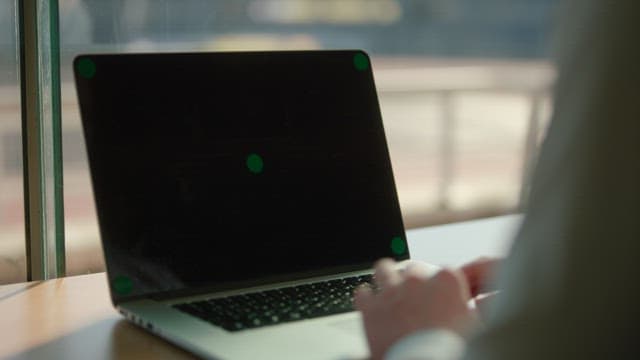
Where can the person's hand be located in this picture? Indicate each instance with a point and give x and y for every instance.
(479, 274)
(409, 301)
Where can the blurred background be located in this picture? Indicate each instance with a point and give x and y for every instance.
(463, 86)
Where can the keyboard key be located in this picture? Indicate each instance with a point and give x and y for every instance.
(272, 307)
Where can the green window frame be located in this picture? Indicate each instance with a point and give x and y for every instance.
(39, 53)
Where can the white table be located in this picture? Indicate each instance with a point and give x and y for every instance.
(72, 317)
(457, 243)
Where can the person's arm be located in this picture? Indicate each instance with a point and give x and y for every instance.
(569, 284)
(568, 287)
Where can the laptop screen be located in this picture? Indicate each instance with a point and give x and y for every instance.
(218, 170)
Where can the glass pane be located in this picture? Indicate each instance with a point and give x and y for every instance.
(457, 79)
(12, 235)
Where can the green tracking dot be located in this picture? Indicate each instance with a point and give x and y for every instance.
(122, 285)
(86, 68)
(360, 61)
(255, 163)
(398, 246)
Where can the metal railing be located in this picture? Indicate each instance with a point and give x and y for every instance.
(446, 82)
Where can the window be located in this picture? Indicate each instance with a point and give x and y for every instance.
(12, 230)
(462, 85)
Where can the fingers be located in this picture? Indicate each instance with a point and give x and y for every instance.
(417, 270)
(387, 277)
(362, 296)
(386, 274)
(463, 284)
(478, 273)
(453, 280)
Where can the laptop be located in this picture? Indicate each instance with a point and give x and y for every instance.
(241, 196)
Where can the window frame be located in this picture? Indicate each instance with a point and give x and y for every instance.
(39, 57)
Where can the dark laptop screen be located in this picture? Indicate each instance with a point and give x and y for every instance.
(216, 170)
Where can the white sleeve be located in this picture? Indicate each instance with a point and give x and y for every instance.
(570, 287)
(428, 345)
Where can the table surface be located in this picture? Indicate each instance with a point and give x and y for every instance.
(73, 317)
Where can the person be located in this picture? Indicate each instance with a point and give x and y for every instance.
(567, 288)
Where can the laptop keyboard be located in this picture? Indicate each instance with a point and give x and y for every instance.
(277, 306)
